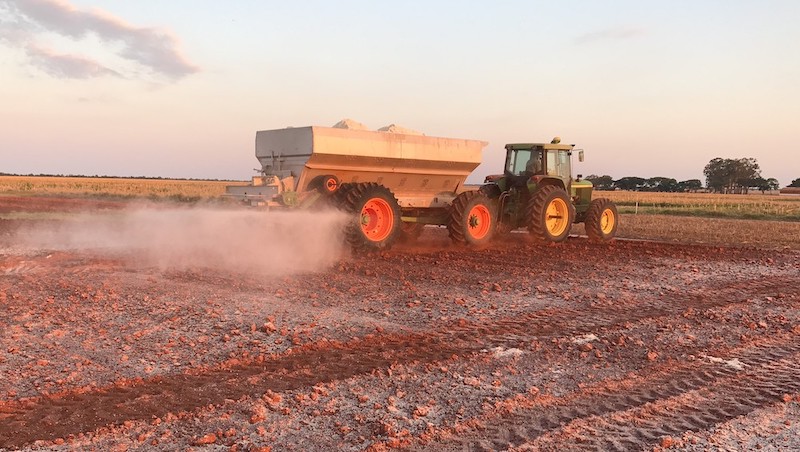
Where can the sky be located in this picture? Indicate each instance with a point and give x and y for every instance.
(179, 88)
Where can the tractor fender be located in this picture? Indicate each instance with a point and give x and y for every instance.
(542, 180)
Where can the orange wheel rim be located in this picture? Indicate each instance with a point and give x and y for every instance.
(331, 184)
(607, 221)
(557, 217)
(479, 221)
(377, 219)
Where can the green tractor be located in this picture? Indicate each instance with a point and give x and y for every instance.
(536, 191)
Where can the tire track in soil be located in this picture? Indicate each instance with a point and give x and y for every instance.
(769, 373)
(570, 321)
(58, 416)
(49, 418)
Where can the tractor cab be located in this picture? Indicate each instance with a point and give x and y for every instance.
(540, 161)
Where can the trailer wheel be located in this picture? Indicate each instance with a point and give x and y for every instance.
(473, 219)
(330, 184)
(550, 214)
(376, 215)
(327, 185)
(602, 220)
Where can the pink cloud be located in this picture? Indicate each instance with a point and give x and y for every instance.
(154, 48)
(67, 66)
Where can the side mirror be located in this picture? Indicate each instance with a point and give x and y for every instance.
(580, 155)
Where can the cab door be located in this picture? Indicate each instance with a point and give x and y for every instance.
(558, 165)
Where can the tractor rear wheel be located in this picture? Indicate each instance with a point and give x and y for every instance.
(550, 214)
(375, 215)
(602, 220)
(473, 219)
(503, 224)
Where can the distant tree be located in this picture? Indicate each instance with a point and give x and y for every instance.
(773, 184)
(691, 185)
(604, 182)
(746, 170)
(731, 175)
(629, 183)
(662, 184)
(795, 183)
(716, 173)
(763, 185)
(756, 183)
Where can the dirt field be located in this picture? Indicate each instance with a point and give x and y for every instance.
(633, 345)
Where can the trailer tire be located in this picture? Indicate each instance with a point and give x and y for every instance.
(602, 220)
(375, 215)
(473, 219)
(550, 214)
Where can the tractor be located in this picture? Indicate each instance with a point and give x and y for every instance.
(536, 191)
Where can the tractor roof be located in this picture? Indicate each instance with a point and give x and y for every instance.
(524, 146)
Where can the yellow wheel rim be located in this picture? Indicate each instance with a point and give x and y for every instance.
(557, 217)
(607, 221)
(377, 219)
(479, 221)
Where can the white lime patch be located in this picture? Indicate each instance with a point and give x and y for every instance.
(585, 339)
(733, 363)
(500, 352)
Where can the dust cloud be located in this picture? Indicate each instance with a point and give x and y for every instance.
(276, 243)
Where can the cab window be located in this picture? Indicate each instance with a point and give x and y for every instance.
(558, 164)
(517, 161)
(525, 161)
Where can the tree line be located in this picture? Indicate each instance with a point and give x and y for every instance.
(722, 176)
(632, 183)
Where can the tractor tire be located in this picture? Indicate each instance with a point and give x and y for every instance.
(550, 214)
(601, 220)
(375, 222)
(410, 232)
(503, 226)
(473, 219)
(491, 190)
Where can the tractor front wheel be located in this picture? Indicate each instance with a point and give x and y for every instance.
(550, 214)
(375, 212)
(473, 219)
(602, 220)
